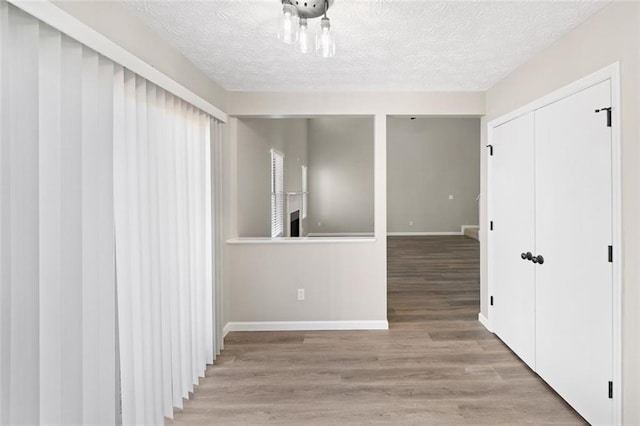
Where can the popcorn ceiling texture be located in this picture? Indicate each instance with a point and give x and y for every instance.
(382, 45)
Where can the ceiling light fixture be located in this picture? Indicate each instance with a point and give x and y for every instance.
(294, 27)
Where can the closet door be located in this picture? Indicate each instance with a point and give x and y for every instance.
(573, 232)
(511, 203)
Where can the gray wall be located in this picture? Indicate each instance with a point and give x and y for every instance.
(256, 138)
(429, 159)
(341, 182)
(118, 22)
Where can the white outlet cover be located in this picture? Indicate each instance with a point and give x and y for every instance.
(451, 197)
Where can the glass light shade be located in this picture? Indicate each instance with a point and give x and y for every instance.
(325, 39)
(303, 38)
(288, 24)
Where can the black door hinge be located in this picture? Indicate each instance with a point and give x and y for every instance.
(491, 226)
(610, 390)
(490, 149)
(491, 300)
(608, 114)
(610, 253)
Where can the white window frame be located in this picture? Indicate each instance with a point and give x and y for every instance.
(277, 194)
(305, 190)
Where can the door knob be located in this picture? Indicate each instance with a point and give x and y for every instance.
(523, 256)
(534, 260)
(528, 255)
(539, 260)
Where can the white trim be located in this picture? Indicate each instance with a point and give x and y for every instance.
(484, 321)
(340, 234)
(465, 227)
(421, 234)
(612, 73)
(299, 240)
(599, 76)
(226, 330)
(52, 15)
(306, 325)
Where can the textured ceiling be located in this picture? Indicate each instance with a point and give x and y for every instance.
(383, 45)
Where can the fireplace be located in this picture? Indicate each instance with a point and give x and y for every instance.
(295, 224)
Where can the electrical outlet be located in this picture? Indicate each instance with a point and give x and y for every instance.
(451, 197)
(301, 294)
(319, 224)
(410, 223)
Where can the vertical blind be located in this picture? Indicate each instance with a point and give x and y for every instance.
(106, 241)
(277, 194)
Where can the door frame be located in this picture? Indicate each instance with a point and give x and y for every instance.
(612, 73)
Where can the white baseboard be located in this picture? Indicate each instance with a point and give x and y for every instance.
(465, 227)
(305, 326)
(420, 234)
(484, 321)
(340, 234)
(226, 330)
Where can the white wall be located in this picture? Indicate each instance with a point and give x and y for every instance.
(429, 159)
(114, 20)
(256, 137)
(341, 175)
(344, 280)
(611, 35)
(361, 103)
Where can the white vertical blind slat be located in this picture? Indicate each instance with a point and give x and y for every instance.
(123, 256)
(173, 207)
(50, 232)
(133, 240)
(164, 260)
(106, 375)
(5, 295)
(23, 210)
(71, 251)
(90, 244)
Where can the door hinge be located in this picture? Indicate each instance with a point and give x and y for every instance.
(491, 300)
(610, 253)
(608, 110)
(610, 390)
(491, 226)
(490, 149)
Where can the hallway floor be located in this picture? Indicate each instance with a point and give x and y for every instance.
(436, 365)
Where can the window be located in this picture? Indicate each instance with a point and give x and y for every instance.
(304, 192)
(277, 194)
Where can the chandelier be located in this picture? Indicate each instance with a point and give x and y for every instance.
(294, 26)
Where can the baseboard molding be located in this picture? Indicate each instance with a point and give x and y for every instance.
(226, 330)
(340, 234)
(465, 227)
(420, 234)
(305, 326)
(484, 321)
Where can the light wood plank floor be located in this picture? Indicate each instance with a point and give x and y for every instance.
(436, 365)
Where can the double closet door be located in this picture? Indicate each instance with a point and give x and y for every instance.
(550, 197)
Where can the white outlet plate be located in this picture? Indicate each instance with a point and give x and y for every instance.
(301, 294)
(451, 197)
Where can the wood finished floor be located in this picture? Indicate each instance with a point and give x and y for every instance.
(436, 365)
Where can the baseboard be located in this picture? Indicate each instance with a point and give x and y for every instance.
(305, 326)
(420, 234)
(226, 330)
(340, 234)
(484, 321)
(465, 227)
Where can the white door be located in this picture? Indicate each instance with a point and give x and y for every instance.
(511, 211)
(573, 234)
